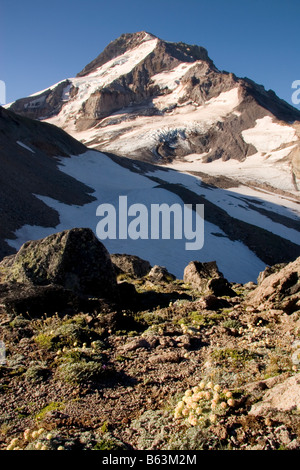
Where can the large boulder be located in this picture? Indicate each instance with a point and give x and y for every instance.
(130, 264)
(207, 279)
(74, 259)
(280, 290)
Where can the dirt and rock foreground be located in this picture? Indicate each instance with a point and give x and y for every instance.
(100, 355)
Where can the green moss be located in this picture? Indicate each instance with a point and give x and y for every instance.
(278, 364)
(108, 443)
(80, 372)
(234, 355)
(80, 365)
(64, 336)
(78, 320)
(18, 371)
(19, 322)
(53, 406)
(21, 412)
(233, 324)
(201, 319)
(44, 340)
(225, 311)
(120, 358)
(123, 277)
(153, 318)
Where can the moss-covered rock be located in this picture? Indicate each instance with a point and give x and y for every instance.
(74, 259)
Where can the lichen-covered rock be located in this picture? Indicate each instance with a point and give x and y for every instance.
(131, 265)
(74, 259)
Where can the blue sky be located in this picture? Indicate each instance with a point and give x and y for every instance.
(43, 42)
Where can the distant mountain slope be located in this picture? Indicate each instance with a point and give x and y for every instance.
(163, 102)
(29, 167)
(243, 232)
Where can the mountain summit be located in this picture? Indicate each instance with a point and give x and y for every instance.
(127, 42)
(167, 103)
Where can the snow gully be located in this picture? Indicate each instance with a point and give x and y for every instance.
(160, 221)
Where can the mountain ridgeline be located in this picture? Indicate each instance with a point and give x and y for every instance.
(168, 100)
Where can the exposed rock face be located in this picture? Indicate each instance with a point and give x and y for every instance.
(74, 259)
(50, 101)
(207, 278)
(284, 396)
(268, 271)
(131, 40)
(196, 271)
(130, 264)
(28, 167)
(279, 290)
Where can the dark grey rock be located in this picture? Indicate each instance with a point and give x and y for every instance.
(74, 259)
(130, 264)
(37, 300)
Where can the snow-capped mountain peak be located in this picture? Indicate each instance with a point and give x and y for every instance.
(167, 103)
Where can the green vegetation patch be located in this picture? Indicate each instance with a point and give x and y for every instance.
(233, 355)
(53, 406)
(78, 366)
(64, 335)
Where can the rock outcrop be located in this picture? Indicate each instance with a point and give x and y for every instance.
(160, 274)
(284, 396)
(279, 290)
(269, 270)
(207, 278)
(23, 299)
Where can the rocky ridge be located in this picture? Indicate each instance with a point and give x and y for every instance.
(110, 374)
(28, 159)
